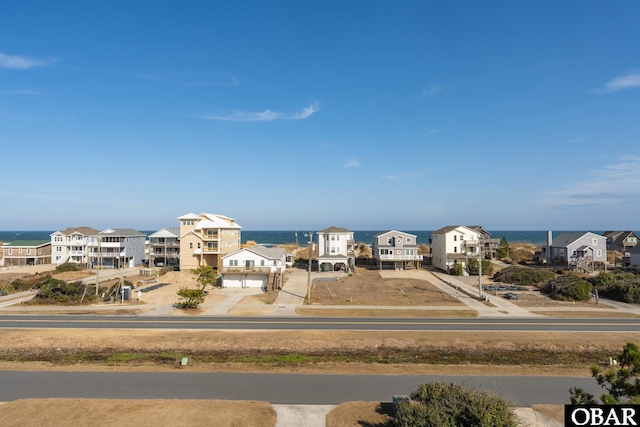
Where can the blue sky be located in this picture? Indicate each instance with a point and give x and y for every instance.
(300, 115)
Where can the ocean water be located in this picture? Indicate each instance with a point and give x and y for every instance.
(279, 237)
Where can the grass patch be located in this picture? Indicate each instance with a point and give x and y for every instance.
(367, 312)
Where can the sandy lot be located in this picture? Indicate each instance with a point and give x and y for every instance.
(140, 413)
(366, 287)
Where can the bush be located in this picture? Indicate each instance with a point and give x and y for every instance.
(54, 291)
(569, 288)
(619, 286)
(190, 298)
(524, 276)
(456, 270)
(487, 267)
(449, 405)
(68, 266)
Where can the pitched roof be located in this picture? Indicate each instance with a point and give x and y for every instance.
(618, 237)
(166, 232)
(334, 229)
(569, 237)
(122, 232)
(28, 243)
(216, 221)
(449, 228)
(269, 253)
(87, 231)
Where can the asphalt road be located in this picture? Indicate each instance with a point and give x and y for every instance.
(275, 388)
(319, 323)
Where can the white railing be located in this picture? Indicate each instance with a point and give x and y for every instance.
(401, 257)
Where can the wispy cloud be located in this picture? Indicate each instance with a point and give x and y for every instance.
(578, 140)
(266, 115)
(432, 132)
(17, 62)
(350, 164)
(431, 91)
(406, 176)
(610, 185)
(619, 83)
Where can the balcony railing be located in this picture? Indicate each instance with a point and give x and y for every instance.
(246, 270)
(400, 257)
(168, 244)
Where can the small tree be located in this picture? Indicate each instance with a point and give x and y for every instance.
(190, 298)
(621, 382)
(487, 267)
(206, 275)
(503, 248)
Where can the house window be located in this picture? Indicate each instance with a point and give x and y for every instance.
(20, 251)
(28, 251)
(555, 251)
(455, 238)
(10, 251)
(574, 253)
(408, 239)
(39, 251)
(190, 245)
(455, 249)
(274, 263)
(198, 245)
(561, 251)
(261, 263)
(594, 241)
(632, 240)
(233, 263)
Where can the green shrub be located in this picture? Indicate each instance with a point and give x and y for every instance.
(456, 270)
(569, 288)
(54, 291)
(449, 405)
(68, 266)
(190, 298)
(487, 267)
(620, 286)
(524, 276)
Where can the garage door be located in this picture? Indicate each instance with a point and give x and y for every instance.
(250, 281)
(232, 281)
(256, 281)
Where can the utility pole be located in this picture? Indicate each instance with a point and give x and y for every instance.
(98, 266)
(480, 272)
(310, 235)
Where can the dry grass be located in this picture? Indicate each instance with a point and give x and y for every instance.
(366, 287)
(552, 411)
(588, 314)
(140, 413)
(268, 297)
(359, 414)
(521, 252)
(372, 312)
(400, 352)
